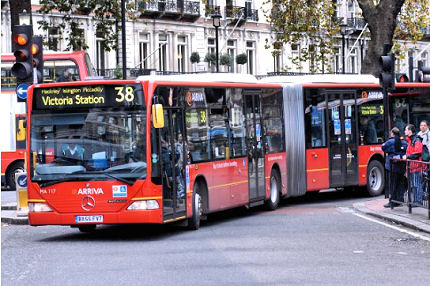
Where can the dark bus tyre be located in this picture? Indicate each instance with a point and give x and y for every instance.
(11, 171)
(194, 220)
(275, 191)
(375, 178)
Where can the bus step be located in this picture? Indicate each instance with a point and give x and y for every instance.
(257, 203)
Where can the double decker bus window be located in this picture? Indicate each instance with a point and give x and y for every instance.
(60, 71)
(273, 119)
(237, 122)
(87, 135)
(371, 114)
(420, 107)
(8, 80)
(315, 109)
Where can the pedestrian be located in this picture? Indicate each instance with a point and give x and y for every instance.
(394, 148)
(424, 133)
(413, 152)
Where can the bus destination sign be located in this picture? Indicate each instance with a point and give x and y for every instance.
(65, 97)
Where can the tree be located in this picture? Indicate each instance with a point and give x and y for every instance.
(306, 25)
(195, 58)
(311, 23)
(226, 60)
(241, 59)
(106, 14)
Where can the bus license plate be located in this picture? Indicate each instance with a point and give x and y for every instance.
(88, 218)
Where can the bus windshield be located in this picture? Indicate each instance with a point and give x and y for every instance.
(71, 141)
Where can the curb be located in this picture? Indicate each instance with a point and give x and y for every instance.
(9, 207)
(11, 217)
(410, 223)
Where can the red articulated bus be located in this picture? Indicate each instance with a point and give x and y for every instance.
(163, 149)
(13, 144)
(154, 150)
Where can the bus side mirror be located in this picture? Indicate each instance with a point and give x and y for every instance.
(157, 115)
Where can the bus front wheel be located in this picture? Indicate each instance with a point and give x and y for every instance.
(275, 191)
(375, 178)
(194, 220)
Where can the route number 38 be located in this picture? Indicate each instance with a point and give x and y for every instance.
(128, 95)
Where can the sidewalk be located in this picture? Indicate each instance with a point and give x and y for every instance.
(418, 219)
(9, 213)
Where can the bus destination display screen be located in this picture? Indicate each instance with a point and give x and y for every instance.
(85, 96)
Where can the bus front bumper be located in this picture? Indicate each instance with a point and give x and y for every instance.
(135, 216)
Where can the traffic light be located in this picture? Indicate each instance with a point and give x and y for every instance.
(402, 77)
(37, 52)
(423, 72)
(22, 40)
(387, 76)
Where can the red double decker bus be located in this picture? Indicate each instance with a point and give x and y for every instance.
(13, 144)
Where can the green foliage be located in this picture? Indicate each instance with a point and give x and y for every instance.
(226, 60)
(412, 21)
(210, 58)
(117, 72)
(105, 13)
(195, 57)
(241, 59)
(307, 24)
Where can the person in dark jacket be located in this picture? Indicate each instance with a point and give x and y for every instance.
(394, 148)
(414, 152)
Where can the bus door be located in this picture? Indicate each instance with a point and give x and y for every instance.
(254, 144)
(173, 165)
(343, 145)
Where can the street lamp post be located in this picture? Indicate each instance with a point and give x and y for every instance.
(216, 18)
(343, 28)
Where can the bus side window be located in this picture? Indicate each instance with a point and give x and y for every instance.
(315, 107)
(273, 118)
(237, 123)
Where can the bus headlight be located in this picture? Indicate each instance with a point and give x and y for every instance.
(144, 205)
(39, 207)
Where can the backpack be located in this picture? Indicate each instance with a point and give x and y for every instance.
(425, 156)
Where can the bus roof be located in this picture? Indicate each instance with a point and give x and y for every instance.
(202, 77)
(322, 78)
(46, 55)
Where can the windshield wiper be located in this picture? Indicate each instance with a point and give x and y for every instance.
(50, 183)
(123, 180)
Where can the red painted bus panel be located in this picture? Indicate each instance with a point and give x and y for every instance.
(364, 154)
(317, 169)
(281, 160)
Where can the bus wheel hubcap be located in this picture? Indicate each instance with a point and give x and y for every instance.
(375, 178)
(273, 190)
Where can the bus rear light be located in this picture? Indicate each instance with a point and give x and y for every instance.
(144, 205)
(39, 207)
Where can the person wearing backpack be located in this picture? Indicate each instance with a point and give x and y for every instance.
(395, 148)
(414, 152)
(425, 139)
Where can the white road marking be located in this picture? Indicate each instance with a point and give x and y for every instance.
(394, 227)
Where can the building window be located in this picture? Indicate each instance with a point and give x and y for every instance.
(353, 60)
(231, 51)
(53, 39)
(182, 45)
(101, 57)
(143, 50)
(162, 52)
(424, 58)
(312, 55)
(250, 52)
(211, 50)
(337, 60)
(295, 54)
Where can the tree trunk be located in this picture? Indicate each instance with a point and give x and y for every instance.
(381, 21)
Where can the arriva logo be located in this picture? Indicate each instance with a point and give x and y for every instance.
(90, 191)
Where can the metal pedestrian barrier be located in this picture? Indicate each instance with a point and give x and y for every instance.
(409, 183)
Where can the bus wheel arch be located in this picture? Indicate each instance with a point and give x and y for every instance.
(13, 168)
(199, 203)
(375, 181)
(275, 188)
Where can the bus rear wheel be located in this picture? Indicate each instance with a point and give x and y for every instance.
(16, 167)
(375, 178)
(275, 191)
(194, 220)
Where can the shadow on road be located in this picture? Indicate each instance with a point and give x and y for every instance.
(153, 232)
